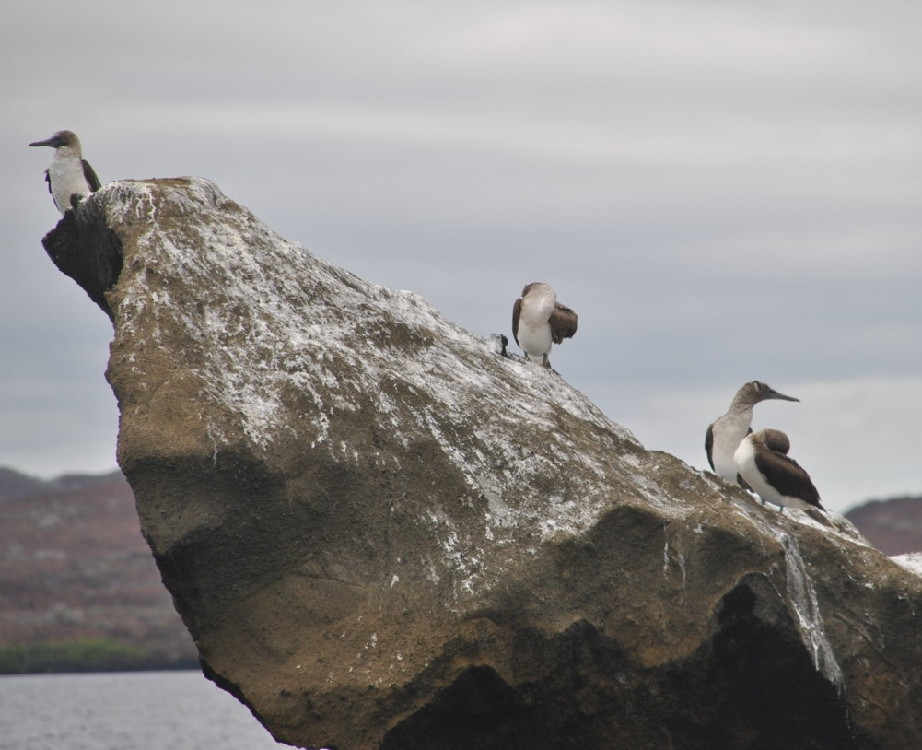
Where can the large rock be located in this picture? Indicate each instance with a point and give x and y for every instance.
(382, 533)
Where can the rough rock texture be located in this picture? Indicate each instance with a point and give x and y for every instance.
(383, 534)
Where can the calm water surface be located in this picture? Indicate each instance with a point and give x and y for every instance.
(143, 711)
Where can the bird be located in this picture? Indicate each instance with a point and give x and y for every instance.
(724, 434)
(762, 461)
(70, 178)
(539, 321)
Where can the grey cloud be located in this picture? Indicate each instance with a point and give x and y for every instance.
(700, 167)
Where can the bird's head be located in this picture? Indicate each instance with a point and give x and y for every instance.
(59, 139)
(756, 391)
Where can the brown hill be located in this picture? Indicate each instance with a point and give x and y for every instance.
(894, 526)
(78, 586)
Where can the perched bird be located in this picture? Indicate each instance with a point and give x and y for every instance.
(724, 434)
(771, 474)
(539, 321)
(70, 178)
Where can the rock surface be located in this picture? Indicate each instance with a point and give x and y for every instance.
(381, 533)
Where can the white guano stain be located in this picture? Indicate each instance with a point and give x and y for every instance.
(803, 599)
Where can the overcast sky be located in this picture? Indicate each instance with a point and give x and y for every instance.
(723, 191)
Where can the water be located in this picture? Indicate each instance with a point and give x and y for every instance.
(133, 711)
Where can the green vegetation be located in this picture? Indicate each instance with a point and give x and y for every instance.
(79, 655)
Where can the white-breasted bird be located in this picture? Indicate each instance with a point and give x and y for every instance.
(70, 178)
(539, 321)
(763, 463)
(724, 434)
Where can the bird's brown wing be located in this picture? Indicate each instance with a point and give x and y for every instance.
(516, 309)
(787, 476)
(709, 444)
(563, 323)
(48, 180)
(91, 178)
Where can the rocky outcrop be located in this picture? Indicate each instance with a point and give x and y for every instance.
(381, 533)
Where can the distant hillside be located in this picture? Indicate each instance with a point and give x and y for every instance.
(14, 485)
(894, 526)
(78, 586)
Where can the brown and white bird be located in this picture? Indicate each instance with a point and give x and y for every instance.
(724, 434)
(539, 321)
(70, 178)
(763, 463)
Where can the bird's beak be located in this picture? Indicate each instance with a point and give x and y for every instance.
(46, 142)
(782, 397)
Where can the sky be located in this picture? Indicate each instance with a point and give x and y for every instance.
(723, 192)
